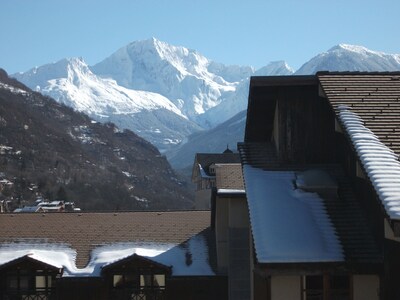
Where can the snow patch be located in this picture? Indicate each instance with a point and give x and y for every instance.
(379, 161)
(190, 258)
(288, 224)
(13, 89)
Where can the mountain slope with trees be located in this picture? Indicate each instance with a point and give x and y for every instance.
(49, 150)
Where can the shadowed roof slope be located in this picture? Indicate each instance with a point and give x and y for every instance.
(344, 211)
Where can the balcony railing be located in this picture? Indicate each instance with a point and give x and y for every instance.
(137, 294)
(27, 295)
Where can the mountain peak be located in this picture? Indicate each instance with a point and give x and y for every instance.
(352, 48)
(345, 57)
(279, 67)
(38, 77)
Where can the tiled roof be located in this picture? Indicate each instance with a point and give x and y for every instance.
(229, 176)
(84, 231)
(375, 97)
(344, 210)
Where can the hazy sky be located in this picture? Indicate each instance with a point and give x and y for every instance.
(251, 32)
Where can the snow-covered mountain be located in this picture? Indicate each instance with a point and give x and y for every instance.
(71, 82)
(153, 88)
(166, 93)
(345, 57)
(184, 76)
(339, 58)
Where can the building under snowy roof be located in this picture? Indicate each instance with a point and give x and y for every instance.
(120, 254)
(204, 174)
(322, 180)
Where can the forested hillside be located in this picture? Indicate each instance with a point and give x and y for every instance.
(49, 150)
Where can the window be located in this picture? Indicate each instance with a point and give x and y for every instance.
(41, 282)
(156, 281)
(138, 287)
(212, 169)
(125, 281)
(314, 288)
(159, 280)
(326, 287)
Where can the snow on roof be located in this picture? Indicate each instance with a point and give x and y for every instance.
(56, 255)
(190, 258)
(26, 209)
(203, 173)
(312, 179)
(231, 191)
(379, 161)
(288, 224)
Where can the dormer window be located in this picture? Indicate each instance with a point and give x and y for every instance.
(136, 277)
(212, 169)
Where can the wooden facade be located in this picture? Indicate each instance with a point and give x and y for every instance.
(134, 278)
(27, 278)
(287, 116)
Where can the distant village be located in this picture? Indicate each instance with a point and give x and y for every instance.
(8, 204)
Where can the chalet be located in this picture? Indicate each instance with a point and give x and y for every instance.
(204, 174)
(124, 255)
(322, 181)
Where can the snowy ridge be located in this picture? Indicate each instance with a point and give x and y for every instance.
(288, 224)
(380, 162)
(275, 68)
(344, 57)
(177, 73)
(151, 115)
(13, 89)
(363, 51)
(80, 89)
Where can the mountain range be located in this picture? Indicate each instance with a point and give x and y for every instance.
(175, 97)
(50, 151)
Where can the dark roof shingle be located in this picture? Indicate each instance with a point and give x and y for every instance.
(375, 97)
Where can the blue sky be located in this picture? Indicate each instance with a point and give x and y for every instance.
(252, 32)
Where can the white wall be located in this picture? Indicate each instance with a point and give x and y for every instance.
(285, 287)
(365, 287)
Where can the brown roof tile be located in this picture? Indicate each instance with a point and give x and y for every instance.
(375, 97)
(83, 231)
(229, 176)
